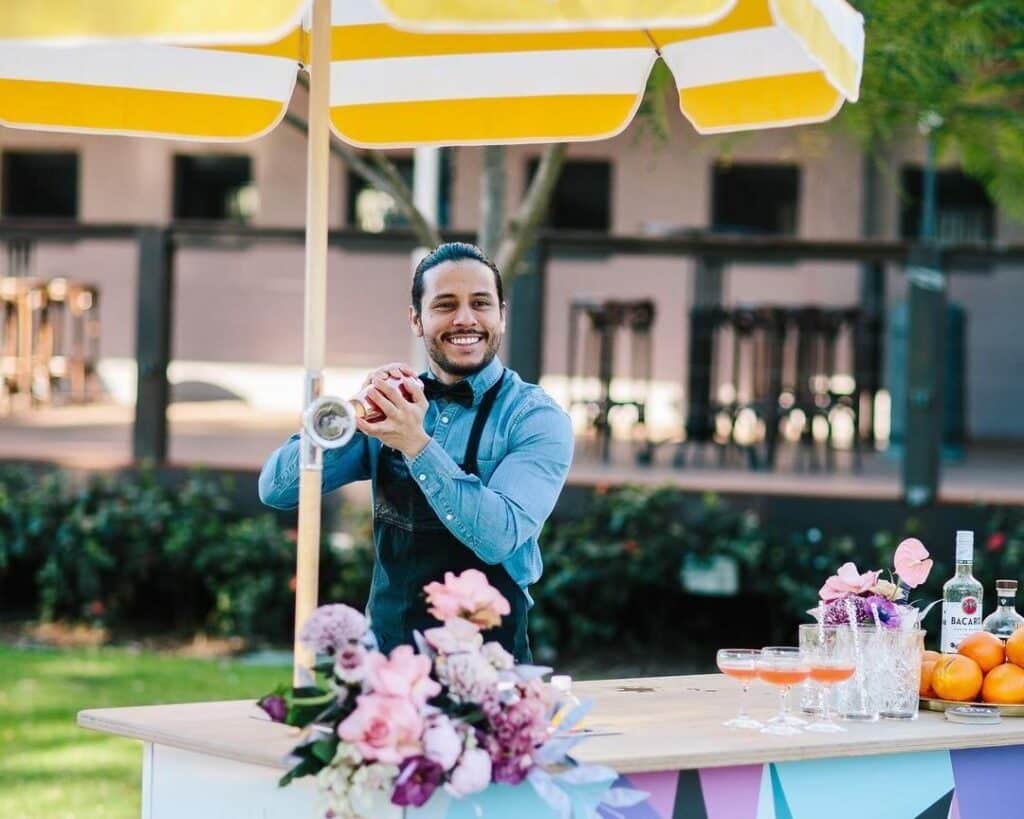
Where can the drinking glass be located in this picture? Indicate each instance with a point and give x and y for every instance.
(831, 661)
(741, 665)
(783, 667)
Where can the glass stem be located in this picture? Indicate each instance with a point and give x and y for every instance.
(743, 703)
(826, 712)
(784, 703)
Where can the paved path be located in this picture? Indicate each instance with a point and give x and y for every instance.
(227, 434)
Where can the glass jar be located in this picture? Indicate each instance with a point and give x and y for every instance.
(888, 677)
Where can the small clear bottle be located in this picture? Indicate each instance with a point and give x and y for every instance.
(1004, 620)
(961, 597)
(567, 700)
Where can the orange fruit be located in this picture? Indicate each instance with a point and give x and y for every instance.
(1015, 647)
(984, 648)
(927, 669)
(1004, 684)
(956, 677)
(930, 655)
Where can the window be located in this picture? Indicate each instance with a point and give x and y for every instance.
(755, 199)
(40, 184)
(214, 187)
(582, 196)
(963, 213)
(375, 211)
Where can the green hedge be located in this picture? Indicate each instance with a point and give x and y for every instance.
(612, 576)
(127, 551)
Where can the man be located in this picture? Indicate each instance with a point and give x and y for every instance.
(465, 472)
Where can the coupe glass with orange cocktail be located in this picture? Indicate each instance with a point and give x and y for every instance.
(831, 661)
(741, 665)
(783, 667)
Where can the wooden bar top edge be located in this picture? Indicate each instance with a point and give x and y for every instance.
(640, 724)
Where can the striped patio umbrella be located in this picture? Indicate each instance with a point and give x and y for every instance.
(756, 64)
(388, 73)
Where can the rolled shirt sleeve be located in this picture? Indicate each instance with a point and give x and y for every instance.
(495, 519)
(279, 478)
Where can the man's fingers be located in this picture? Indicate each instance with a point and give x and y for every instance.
(415, 389)
(396, 369)
(384, 396)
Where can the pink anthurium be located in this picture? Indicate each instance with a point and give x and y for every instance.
(912, 562)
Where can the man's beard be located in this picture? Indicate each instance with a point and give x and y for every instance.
(435, 350)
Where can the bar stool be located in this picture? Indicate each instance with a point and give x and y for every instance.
(605, 321)
(25, 338)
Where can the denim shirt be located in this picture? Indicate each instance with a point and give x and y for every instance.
(524, 458)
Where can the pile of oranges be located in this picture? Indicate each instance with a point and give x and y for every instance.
(982, 669)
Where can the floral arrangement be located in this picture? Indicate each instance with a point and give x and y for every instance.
(869, 600)
(456, 713)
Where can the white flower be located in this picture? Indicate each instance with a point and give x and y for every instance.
(350, 663)
(454, 636)
(498, 657)
(469, 676)
(472, 774)
(441, 742)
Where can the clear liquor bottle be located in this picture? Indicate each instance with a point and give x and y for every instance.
(961, 597)
(1004, 620)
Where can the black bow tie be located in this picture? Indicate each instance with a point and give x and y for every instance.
(460, 392)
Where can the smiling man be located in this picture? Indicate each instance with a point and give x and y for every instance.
(465, 473)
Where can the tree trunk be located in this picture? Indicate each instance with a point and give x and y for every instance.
(492, 199)
(522, 229)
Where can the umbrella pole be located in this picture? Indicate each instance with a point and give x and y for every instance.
(311, 456)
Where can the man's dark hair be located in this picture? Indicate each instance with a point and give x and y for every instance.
(450, 252)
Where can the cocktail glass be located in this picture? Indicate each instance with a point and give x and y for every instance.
(741, 665)
(831, 661)
(783, 667)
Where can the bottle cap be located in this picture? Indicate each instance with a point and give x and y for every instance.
(974, 714)
(1006, 585)
(561, 682)
(964, 546)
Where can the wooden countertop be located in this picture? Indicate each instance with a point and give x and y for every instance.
(643, 724)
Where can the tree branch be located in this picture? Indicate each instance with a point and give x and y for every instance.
(522, 228)
(382, 174)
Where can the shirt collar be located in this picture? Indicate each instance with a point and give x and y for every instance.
(483, 380)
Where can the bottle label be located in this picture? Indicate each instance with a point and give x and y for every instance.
(959, 620)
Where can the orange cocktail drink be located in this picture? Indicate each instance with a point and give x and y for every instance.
(783, 667)
(831, 674)
(831, 661)
(741, 665)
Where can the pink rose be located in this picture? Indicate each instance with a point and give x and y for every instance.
(472, 774)
(912, 562)
(441, 742)
(388, 729)
(847, 581)
(469, 596)
(454, 636)
(404, 674)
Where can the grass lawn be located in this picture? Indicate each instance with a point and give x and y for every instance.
(51, 768)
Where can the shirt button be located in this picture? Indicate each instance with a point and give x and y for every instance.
(444, 419)
(423, 477)
(447, 517)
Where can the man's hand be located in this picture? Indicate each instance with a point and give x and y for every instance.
(402, 426)
(396, 369)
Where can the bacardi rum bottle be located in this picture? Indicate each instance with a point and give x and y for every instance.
(961, 597)
(1004, 620)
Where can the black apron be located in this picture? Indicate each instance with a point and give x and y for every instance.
(414, 548)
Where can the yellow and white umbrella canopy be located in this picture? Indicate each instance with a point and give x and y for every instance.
(760, 63)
